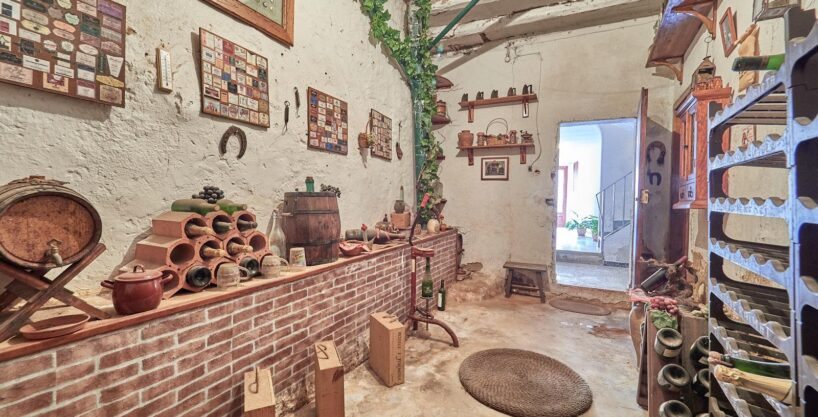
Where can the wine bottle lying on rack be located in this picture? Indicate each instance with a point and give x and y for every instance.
(771, 369)
(759, 63)
(778, 388)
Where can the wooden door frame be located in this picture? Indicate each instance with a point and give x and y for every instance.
(561, 220)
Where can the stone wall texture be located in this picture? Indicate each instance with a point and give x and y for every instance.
(132, 163)
(193, 363)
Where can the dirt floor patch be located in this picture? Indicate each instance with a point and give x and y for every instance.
(607, 332)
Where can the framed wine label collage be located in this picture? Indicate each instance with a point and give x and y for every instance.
(380, 127)
(234, 81)
(328, 125)
(74, 48)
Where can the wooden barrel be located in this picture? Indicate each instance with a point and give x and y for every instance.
(312, 222)
(44, 225)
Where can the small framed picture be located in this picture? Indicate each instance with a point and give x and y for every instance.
(727, 27)
(494, 169)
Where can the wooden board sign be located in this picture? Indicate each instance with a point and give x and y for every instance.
(275, 18)
(328, 129)
(381, 127)
(74, 48)
(234, 81)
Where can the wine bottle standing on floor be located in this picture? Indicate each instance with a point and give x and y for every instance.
(778, 388)
(771, 369)
(441, 296)
(427, 285)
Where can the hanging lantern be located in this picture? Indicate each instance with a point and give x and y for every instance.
(705, 75)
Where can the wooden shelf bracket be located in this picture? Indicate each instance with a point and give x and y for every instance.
(691, 8)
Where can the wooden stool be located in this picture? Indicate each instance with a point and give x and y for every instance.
(540, 279)
(16, 283)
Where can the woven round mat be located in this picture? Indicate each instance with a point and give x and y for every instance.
(525, 384)
(581, 307)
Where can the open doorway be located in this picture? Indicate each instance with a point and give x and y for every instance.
(595, 202)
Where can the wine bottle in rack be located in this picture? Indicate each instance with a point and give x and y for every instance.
(668, 343)
(778, 388)
(246, 225)
(211, 253)
(234, 248)
(194, 231)
(673, 377)
(699, 352)
(701, 382)
(193, 205)
(771, 369)
(674, 408)
(230, 207)
(222, 227)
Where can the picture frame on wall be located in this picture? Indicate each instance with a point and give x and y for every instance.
(727, 27)
(274, 18)
(494, 169)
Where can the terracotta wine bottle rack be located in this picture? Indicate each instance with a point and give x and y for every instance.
(169, 250)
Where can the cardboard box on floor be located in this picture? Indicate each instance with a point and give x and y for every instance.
(329, 381)
(386, 347)
(259, 398)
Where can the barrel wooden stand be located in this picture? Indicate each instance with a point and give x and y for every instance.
(17, 283)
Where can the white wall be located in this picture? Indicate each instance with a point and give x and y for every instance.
(581, 144)
(132, 163)
(589, 74)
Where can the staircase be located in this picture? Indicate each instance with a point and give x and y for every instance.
(615, 206)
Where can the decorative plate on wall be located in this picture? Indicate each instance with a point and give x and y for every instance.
(275, 18)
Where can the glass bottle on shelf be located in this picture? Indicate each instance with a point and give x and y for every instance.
(278, 242)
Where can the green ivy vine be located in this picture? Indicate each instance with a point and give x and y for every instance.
(414, 54)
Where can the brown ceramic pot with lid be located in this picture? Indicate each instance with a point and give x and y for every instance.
(137, 291)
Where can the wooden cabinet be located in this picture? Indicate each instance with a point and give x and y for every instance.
(690, 137)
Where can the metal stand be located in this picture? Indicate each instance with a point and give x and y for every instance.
(418, 315)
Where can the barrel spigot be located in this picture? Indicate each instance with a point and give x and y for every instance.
(54, 252)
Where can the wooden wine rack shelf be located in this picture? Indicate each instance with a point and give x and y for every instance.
(779, 323)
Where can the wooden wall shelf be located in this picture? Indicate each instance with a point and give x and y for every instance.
(523, 147)
(678, 28)
(490, 102)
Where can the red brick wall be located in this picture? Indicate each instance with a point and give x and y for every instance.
(193, 363)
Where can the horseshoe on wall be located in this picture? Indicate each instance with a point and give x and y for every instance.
(233, 131)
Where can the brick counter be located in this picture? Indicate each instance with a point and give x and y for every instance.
(191, 361)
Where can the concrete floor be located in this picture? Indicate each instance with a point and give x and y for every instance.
(593, 276)
(568, 240)
(598, 348)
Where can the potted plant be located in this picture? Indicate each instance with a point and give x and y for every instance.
(592, 223)
(578, 224)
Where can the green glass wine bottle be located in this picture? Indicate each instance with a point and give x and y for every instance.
(193, 205)
(759, 63)
(230, 207)
(427, 285)
(441, 296)
(222, 227)
(771, 369)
